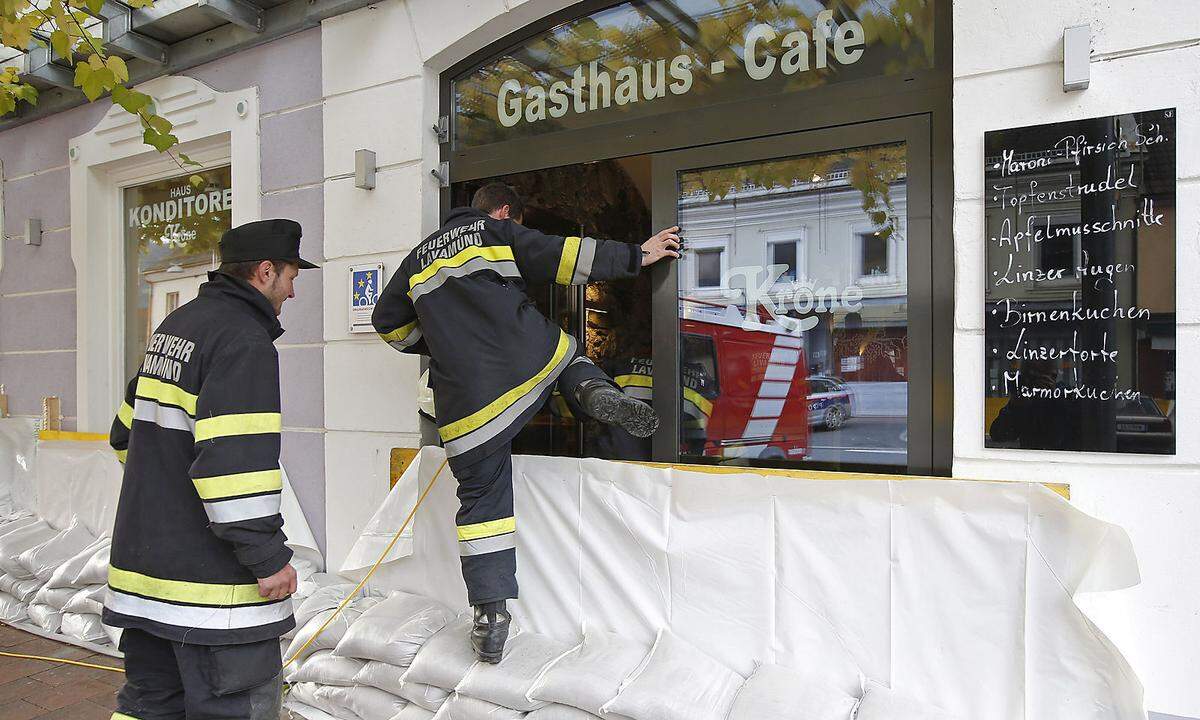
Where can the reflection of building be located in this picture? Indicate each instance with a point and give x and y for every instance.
(834, 265)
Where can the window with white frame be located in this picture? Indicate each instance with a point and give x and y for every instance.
(708, 263)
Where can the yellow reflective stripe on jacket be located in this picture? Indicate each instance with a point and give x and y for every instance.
(122, 716)
(221, 486)
(699, 400)
(125, 415)
(122, 454)
(566, 263)
(636, 380)
(399, 333)
(480, 417)
(239, 424)
(494, 253)
(487, 529)
(154, 389)
(183, 591)
(695, 397)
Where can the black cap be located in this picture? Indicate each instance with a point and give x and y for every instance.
(264, 240)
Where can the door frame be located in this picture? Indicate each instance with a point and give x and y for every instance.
(929, 431)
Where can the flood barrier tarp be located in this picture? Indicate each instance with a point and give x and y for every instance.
(958, 593)
(78, 482)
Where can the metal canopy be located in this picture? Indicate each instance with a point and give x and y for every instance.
(170, 37)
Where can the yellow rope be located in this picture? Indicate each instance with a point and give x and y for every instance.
(361, 583)
(60, 660)
(316, 635)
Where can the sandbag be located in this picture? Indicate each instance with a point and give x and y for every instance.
(414, 712)
(778, 693)
(562, 712)
(461, 707)
(11, 609)
(45, 617)
(17, 521)
(324, 668)
(883, 703)
(677, 682)
(363, 702)
(590, 675)
(446, 657)
(430, 697)
(14, 543)
(95, 571)
(25, 590)
(319, 601)
(381, 675)
(56, 598)
(41, 561)
(7, 582)
(395, 629)
(88, 601)
(84, 627)
(508, 682)
(329, 638)
(68, 574)
(310, 694)
(114, 635)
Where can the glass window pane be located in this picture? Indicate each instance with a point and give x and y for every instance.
(708, 268)
(172, 231)
(807, 367)
(784, 253)
(874, 254)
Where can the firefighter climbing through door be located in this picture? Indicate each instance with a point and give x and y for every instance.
(459, 297)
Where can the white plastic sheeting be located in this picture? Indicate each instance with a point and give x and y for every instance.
(958, 594)
(17, 442)
(70, 489)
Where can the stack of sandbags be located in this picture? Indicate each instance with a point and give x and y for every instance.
(18, 584)
(84, 576)
(360, 678)
(41, 562)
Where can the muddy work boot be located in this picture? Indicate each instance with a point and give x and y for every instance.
(490, 631)
(609, 405)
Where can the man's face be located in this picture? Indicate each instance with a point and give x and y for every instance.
(279, 286)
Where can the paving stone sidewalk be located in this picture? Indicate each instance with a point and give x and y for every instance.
(40, 690)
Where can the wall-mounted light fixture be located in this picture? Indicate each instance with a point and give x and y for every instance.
(364, 169)
(1077, 57)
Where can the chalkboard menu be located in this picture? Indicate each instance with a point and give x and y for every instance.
(1080, 300)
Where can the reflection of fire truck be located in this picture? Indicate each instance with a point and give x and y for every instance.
(753, 376)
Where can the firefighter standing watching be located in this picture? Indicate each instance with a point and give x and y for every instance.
(200, 576)
(459, 297)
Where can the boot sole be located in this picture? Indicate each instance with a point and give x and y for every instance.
(633, 416)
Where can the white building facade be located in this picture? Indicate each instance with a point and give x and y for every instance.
(908, 274)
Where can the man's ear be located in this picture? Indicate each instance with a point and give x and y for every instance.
(504, 212)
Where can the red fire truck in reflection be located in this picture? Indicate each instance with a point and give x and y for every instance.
(746, 390)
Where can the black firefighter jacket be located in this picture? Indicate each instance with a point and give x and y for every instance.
(198, 520)
(459, 297)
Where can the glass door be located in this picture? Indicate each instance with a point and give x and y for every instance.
(796, 330)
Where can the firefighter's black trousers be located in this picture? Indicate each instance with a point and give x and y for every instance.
(167, 680)
(486, 526)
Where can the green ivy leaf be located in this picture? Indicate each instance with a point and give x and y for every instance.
(60, 42)
(195, 180)
(98, 82)
(82, 72)
(28, 93)
(160, 124)
(95, 6)
(132, 101)
(159, 141)
(118, 67)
